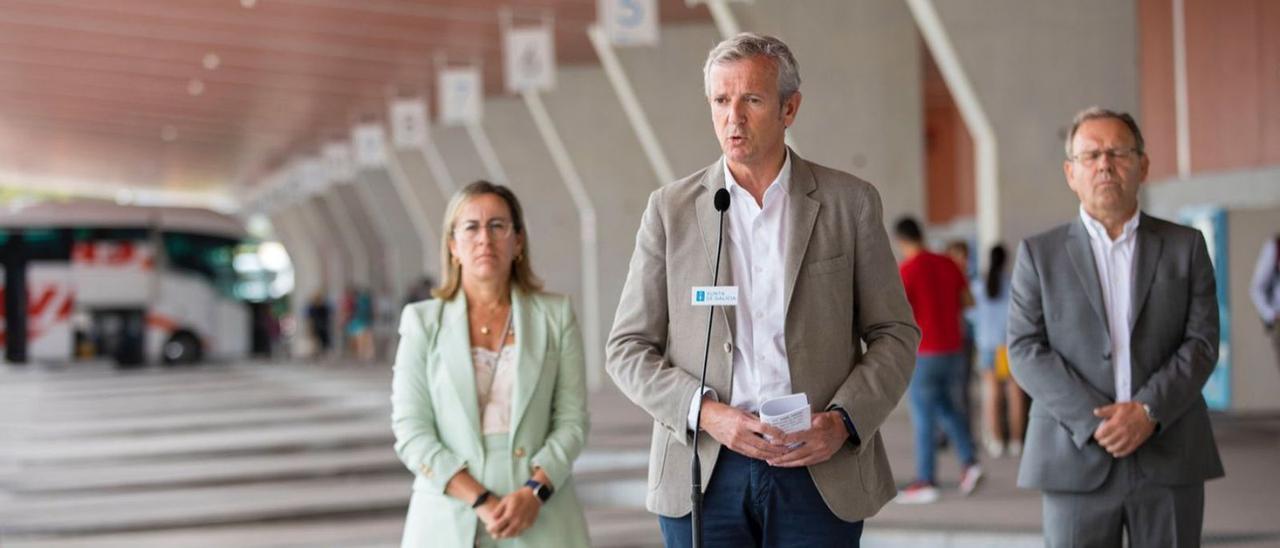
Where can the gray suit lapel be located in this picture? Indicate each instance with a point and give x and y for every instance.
(802, 213)
(709, 226)
(1146, 256)
(1081, 254)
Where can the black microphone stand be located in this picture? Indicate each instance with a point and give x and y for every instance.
(721, 204)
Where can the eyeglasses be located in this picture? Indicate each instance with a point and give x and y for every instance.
(1091, 157)
(498, 229)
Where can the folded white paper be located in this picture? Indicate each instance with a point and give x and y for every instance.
(786, 413)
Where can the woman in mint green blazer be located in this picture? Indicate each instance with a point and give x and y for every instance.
(489, 403)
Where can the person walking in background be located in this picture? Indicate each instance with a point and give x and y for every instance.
(320, 322)
(489, 397)
(991, 316)
(938, 292)
(1264, 290)
(958, 252)
(1113, 331)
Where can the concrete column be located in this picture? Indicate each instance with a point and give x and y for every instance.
(459, 154)
(862, 107)
(365, 228)
(402, 244)
(667, 83)
(308, 271)
(604, 151)
(354, 253)
(548, 208)
(429, 201)
(1034, 64)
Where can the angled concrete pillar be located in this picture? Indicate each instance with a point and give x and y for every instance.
(666, 81)
(459, 154)
(552, 220)
(401, 241)
(308, 271)
(862, 108)
(1030, 86)
(355, 254)
(318, 220)
(413, 174)
(603, 149)
(364, 227)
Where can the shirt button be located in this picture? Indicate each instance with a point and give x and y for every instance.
(728, 348)
(519, 452)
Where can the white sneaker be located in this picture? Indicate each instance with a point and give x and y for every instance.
(995, 448)
(919, 492)
(970, 479)
(1015, 448)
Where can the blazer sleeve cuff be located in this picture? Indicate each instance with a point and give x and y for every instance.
(439, 469)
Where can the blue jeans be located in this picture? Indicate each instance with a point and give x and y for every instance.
(930, 400)
(749, 503)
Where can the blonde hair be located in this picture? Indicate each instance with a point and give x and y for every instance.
(521, 272)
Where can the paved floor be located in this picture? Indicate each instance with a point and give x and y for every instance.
(258, 454)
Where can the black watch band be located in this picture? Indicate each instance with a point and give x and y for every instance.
(541, 490)
(483, 498)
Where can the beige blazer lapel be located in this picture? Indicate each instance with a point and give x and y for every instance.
(709, 225)
(802, 214)
(453, 349)
(531, 343)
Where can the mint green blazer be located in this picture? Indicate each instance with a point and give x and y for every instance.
(436, 419)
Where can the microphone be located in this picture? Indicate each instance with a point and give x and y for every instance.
(722, 204)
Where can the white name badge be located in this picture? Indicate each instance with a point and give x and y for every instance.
(715, 295)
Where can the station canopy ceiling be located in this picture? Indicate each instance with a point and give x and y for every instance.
(204, 95)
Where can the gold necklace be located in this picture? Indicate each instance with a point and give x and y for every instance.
(484, 325)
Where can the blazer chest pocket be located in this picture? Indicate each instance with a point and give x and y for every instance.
(826, 266)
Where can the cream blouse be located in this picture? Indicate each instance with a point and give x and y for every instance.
(494, 393)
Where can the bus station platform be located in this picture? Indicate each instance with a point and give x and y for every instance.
(299, 454)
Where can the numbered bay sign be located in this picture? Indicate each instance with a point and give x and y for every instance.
(460, 90)
(370, 145)
(529, 59)
(409, 122)
(629, 22)
(337, 159)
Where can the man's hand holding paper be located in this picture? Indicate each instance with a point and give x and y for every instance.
(824, 436)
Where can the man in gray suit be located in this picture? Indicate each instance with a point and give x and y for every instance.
(806, 247)
(1113, 330)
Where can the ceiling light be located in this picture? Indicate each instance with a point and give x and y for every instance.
(168, 134)
(248, 3)
(211, 61)
(195, 87)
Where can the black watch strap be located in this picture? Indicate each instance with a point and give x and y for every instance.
(480, 500)
(541, 490)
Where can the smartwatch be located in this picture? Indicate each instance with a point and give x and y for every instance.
(541, 490)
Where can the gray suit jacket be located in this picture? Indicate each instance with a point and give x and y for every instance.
(842, 288)
(1059, 351)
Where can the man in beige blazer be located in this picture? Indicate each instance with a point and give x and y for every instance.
(807, 249)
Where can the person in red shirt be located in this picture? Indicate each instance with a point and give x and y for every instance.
(938, 293)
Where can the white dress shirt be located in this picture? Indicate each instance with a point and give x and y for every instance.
(1263, 272)
(757, 237)
(1114, 260)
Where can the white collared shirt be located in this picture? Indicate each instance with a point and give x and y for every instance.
(1114, 260)
(757, 237)
(1268, 304)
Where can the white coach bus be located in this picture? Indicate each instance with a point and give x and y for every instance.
(136, 284)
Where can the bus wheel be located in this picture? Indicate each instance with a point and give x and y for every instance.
(181, 348)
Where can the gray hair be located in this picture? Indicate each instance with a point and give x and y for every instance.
(1096, 113)
(746, 45)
